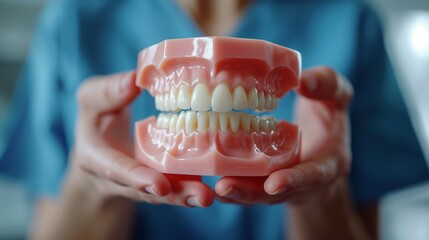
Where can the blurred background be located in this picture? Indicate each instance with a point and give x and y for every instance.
(406, 26)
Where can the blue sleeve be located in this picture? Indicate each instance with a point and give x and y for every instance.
(386, 153)
(37, 151)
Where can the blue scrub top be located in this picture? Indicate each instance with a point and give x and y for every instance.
(77, 39)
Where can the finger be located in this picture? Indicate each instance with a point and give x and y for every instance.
(117, 167)
(241, 189)
(323, 83)
(99, 95)
(305, 176)
(190, 192)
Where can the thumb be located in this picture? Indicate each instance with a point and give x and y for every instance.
(104, 94)
(324, 84)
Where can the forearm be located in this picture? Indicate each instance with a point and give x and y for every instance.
(333, 217)
(80, 212)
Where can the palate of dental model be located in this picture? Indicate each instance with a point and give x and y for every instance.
(201, 85)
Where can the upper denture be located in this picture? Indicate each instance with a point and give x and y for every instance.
(187, 68)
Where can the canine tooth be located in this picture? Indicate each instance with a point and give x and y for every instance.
(203, 121)
(200, 100)
(234, 121)
(221, 99)
(180, 122)
(223, 121)
(268, 101)
(240, 98)
(213, 121)
(167, 102)
(263, 124)
(261, 101)
(245, 122)
(184, 97)
(173, 98)
(191, 122)
(254, 122)
(252, 98)
(173, 122)
(161, 102)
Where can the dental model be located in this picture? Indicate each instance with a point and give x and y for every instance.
(206, 87)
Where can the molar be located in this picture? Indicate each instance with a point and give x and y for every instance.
(254, 122)
(200, 100)
(221, 99)
(240, 98)
(263, 125)
(184, 97)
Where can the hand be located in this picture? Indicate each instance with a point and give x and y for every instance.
(325, 152)
(102, 157)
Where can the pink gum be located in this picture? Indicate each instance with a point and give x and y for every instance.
(251, 63)
(223, 154)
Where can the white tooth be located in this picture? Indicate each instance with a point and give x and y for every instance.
(159, 120)
(173, 98)
(157, 102)
(213, 121)
(223, 121)
(234, 121)
(268, 101)
(167, 102)
(191, 122)
(221, 99)
(263, 124)
(274, 101)
(271, 123)
(166, 121)
(161, 102)
(245, 122)
(180, 122)
(254, 122)
(240, 98)
(200, 100)
(261, 101)
(203, 121)
(184, 97)
(173, 122)
(252, 98)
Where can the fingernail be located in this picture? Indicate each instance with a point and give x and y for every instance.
(150, 190)
(192, 201)
(280, 190)
(232, 193)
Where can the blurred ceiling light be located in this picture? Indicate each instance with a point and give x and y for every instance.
(418, 27)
